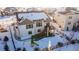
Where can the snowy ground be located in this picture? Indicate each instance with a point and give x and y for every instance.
(43, 43)
(70, 47)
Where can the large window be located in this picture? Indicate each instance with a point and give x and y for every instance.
(39, 24)
(29, 26)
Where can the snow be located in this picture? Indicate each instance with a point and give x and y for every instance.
(71, 47)
(43, 43)
(24, 38)
(4, 17)
(76, 35)
(71, 34)
(18, 43)
(7, 17)
(33, 15)
(1, 46)
(21, 44)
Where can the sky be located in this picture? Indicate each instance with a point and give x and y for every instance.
(40, 3)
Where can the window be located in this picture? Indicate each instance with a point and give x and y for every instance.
(70, 17)
(38, 24)
(30, 32)
(39, 30)
(29, 26)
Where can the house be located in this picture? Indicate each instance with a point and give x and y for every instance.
(6, 23)
(7, 20)
(10, 10)
(31, 23)
(21, 9)
(67, 18)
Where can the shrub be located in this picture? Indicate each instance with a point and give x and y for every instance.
(6, 48)
(18, 49)
(24, 49)
(59, 44)
(74, 28)
(0, 38)
(36, 49)
(72, 41)
(45, 49)
(33, 43)
(77, 41)
(39, 36)
(30, 32)
(51, 34)
(6, 39)
(68, 38)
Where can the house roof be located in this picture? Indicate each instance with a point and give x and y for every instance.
(65, 12)
(69, 10)
(4, 17)
(33, 15)
(8, 9)
(27, 22)
(7, 17)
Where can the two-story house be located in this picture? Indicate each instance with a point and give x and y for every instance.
(30, 23)
(67, 18)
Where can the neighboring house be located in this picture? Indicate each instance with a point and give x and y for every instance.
(21, 9)
(67, 18)
(7, 20)
(31, 23)
(10, 10)
(6, 23)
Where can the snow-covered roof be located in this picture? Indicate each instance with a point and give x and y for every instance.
(67, 11)
(6, 17)
(2, 17)
(32, 15)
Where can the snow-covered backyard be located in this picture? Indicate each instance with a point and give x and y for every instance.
(59, 36)
(43, 43)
